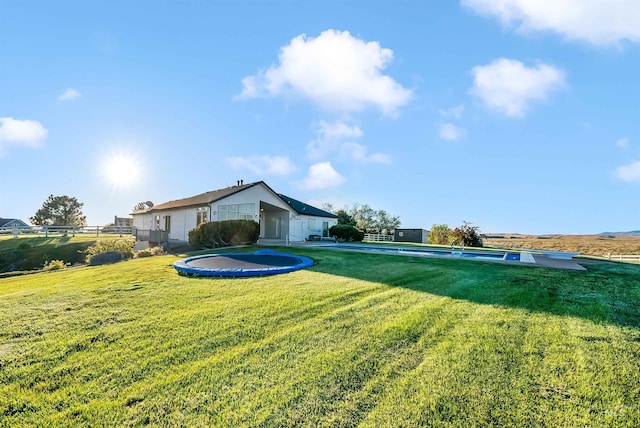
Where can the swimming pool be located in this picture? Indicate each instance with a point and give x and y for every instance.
(468, 254)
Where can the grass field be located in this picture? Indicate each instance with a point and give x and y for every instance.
(357, 340)
(593, 245)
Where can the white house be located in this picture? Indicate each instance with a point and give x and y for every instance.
(279, 216)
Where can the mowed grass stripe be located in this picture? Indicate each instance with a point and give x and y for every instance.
(359, 339)
(511, 378)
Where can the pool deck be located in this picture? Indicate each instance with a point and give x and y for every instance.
(570, 264)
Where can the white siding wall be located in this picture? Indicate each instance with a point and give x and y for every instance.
(296, 229)
(143, 221)
(182, 221)
(309, 229)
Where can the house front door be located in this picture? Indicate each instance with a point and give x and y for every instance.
(277, 227)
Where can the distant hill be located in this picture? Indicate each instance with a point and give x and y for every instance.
(633, 232)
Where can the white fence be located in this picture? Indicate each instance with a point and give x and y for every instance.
(67, 230)
(633, 258)
(376, 237)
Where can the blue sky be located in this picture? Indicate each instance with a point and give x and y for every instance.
(515, 115)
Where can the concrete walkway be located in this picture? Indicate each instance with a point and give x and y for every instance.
(544, 261)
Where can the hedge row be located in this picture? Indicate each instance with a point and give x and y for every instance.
(224, 233)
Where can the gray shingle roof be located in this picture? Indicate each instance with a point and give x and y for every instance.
(5, 222)
(305, 209)
(202, 199)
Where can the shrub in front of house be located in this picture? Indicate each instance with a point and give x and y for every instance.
(122, 246)
(216, 234)
(345, 232)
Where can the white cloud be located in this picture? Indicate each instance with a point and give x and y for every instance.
(69, 94)
(329, 137)
(629, 172)
(622, 142)
(450, 132)
(321, 176)
(600, 22)
(509, 86)
(334, 70)
(263, 165)
(338, 130)
(359, 153)
(454, 112)
(16, 132)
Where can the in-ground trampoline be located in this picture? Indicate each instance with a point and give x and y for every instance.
(262, 262)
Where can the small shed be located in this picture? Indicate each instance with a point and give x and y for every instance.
(420, 236)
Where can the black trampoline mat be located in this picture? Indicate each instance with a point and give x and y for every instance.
(244, 261)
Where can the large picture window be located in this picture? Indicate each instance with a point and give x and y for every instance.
(236, 212)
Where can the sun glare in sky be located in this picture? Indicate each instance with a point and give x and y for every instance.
(121, 170)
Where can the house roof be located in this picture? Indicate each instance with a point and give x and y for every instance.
(201, 199)
(305, 209)
(7, 221)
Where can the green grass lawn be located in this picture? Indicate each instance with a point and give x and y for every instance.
(31, 252)
(357, 340)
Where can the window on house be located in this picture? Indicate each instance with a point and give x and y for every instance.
(201, 216)
(246, 211)
(223, 212)
(167, 223)
(236, 212)
(157, 222)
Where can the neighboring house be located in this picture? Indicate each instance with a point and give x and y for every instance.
(119, 224)
(13, 222)
(279, 216)
(123, 221)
